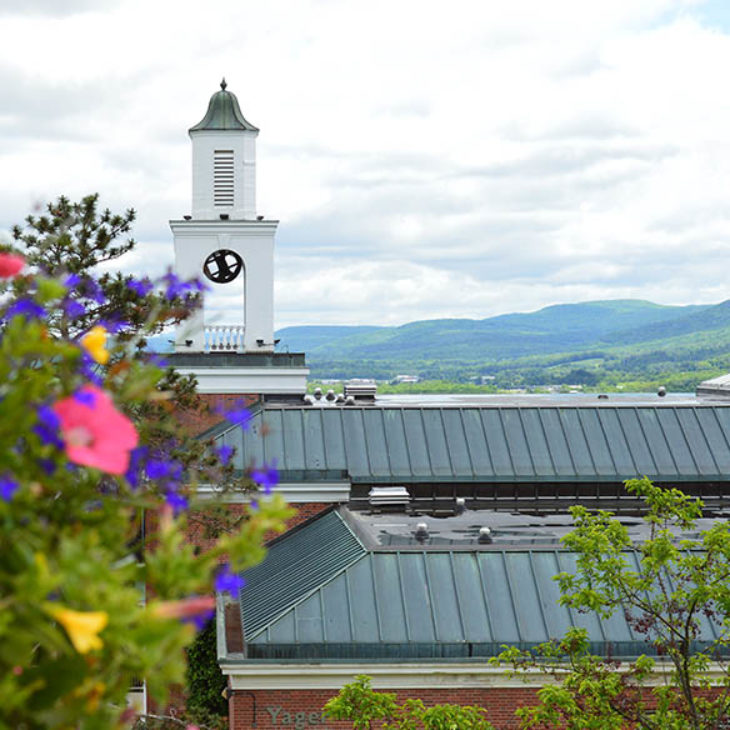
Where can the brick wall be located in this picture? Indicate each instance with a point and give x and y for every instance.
(206, 417)
(301, 709)
(198, 525)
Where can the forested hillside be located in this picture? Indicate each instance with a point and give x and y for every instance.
(621, 343)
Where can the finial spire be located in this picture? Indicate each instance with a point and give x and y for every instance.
(224, 84)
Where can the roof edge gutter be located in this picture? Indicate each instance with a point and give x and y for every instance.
(255, 676)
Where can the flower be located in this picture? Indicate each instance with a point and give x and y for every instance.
(239, 415)
(26, 308)
(225, 453)
(85, 397)
(73, 309)
(135, 466)
(113, 325)
(47, 427)
(266, 477)
(161, 468)
(141, 287)
(48, 465)
(94, 342)
(91, 290)
(90, 369)
(82, 627)
(176, 287)
(10, 265)
(177, 501)
(72, 281)
(96, 435)
(8, 487)
(226, 581)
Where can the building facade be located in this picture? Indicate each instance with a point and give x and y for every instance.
(428, 528)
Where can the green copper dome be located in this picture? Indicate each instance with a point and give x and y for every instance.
(223, 113)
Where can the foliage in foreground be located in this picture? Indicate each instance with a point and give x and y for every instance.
(668, 589)
(89, 444)
(367, 708)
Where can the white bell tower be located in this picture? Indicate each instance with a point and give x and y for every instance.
(224, 239)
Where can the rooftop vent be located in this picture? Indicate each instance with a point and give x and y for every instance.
(460, 506)
(361, 389)
(421, 533)
(485, 536)
(389, 497)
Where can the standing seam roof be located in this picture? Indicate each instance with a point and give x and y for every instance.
(490, 444)
(440, 604)
(294, 567)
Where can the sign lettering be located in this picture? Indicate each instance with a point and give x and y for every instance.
(299, 719)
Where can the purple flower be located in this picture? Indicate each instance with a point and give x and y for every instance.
(91, 290)
(26, 308)
(113, 326)
(176, 501)
(157, 360)
(73, 309)
(48, 465)
(135, 465)
(227, 581)
(47, 427)
(239, 415)
(90, 370)
(162, 468)
(72, 280)
(8, 487)
(266, 477)
(85, 396)
(141, 287)
(225, 453)
(176, 287)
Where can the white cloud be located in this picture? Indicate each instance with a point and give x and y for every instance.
(425, 160)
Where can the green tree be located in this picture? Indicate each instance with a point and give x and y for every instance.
(367, 708)
(674, 587)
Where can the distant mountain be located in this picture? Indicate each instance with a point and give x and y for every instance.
(624, 343)
(559, 328)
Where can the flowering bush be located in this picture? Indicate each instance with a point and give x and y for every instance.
(89, 450)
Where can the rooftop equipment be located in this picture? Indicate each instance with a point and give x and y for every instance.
(389, 497)
(361, 389)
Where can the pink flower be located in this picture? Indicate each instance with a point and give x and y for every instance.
(94, 431)
(10, 265)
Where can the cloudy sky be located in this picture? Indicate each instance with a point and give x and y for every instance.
(426, 159)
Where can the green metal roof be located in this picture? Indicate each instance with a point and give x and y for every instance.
(223, 113)
(439, 605)
(296, 564)
(404, 445)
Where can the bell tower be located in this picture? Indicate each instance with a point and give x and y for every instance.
(224, 239)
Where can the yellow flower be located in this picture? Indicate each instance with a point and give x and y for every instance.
(94, 342)
(82, 627)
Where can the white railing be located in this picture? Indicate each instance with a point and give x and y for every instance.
(223, 337)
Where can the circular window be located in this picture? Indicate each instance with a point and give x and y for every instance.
(223, 266)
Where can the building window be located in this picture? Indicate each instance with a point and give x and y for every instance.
(223, 178)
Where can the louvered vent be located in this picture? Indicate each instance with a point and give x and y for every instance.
(223, 178)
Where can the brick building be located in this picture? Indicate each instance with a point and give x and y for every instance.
(442, 539)
(428, 528)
